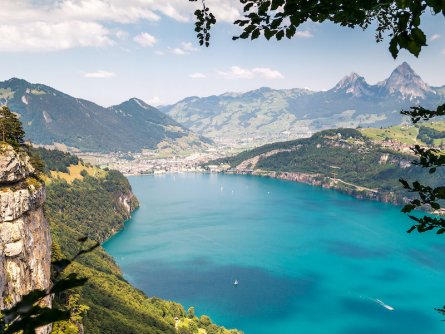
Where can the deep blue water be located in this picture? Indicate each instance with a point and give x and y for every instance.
(308, 260)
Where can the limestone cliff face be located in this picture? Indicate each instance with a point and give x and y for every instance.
(128, 202)
(25, 241)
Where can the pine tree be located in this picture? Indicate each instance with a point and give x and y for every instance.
(11, 130)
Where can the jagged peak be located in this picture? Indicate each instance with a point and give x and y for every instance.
(348, 81)
(353, 84)
(404, 70)
(406, 81)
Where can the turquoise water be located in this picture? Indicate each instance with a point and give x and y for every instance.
(308, 260)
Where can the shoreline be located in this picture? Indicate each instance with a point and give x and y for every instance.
(313, 179)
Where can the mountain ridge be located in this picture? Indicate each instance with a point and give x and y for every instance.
(267, 114)
(50, 116)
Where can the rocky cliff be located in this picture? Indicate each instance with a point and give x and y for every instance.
(25, 241)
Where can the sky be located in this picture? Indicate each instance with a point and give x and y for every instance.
(108, 51)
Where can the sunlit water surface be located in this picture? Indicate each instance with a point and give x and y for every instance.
(307, 260)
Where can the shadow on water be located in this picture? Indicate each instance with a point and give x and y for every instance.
(348, 249)
(259, 294)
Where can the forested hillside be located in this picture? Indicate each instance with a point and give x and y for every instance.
(96, 205)
(342, 158)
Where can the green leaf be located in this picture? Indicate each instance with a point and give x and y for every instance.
(408, 208)
(290, 32)
(435, 205)
(405, 184)
(280, 34)
(255, 34)
(419, 36)
(247, 7)
(393, 47)
(268, 33)
(276, 23)
(276, 4)
(412, 228)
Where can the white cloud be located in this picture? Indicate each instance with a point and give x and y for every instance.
(236, 72)
(197, 75)
(178, 51)
(185, 48)
(29, 25)
(120, 34)
(443, 51)
(434, 37)
(303, 34)
(42, 36)
(268, 73)
(122, 11)
(145, 39)
(159, 53)
(100, 74)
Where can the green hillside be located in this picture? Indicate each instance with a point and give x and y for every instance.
(431, 134)
(342, 158)
(94, 206)
(50, 116)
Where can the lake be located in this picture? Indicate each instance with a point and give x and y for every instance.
(308, 260)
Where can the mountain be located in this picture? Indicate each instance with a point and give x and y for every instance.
(355, 85)
(50, 116)
(268, 114)
(405, 82)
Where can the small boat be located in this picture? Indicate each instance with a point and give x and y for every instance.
(236, 282)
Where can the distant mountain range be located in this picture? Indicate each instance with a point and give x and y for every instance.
(290, 113)
(50, 116)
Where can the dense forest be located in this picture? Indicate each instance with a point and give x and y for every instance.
(107, 303)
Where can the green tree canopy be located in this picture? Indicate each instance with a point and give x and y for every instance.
(11, 130)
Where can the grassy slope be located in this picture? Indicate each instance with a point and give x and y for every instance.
(406, 134)
(400, 133)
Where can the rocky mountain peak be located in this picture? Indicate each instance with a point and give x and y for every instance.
(405, 81)
(353, 84)
(139, 102)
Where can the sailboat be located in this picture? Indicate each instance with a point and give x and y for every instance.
(236, 282)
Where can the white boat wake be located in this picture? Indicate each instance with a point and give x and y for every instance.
(378, 301)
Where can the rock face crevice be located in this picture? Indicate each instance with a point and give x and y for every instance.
(25, 241)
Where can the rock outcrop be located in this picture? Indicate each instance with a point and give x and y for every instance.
(25, 241)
